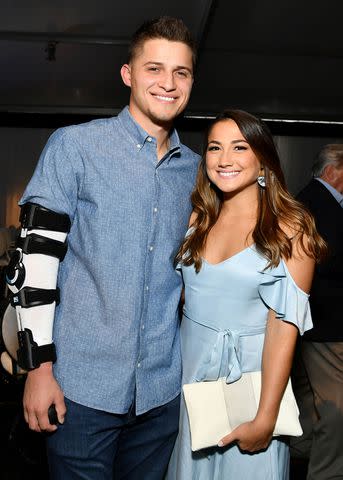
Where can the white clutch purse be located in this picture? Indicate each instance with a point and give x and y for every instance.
(215, 408)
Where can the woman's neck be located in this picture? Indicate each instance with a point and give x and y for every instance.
(241, 204)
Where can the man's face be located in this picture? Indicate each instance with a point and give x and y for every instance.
(334, 176)
(338, 181)
(161, 78)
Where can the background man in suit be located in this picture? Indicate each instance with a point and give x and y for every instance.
(319, 368)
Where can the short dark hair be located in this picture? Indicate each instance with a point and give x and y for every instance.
(168, 28)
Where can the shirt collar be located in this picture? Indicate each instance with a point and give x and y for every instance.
(139, 136)
(335, 193)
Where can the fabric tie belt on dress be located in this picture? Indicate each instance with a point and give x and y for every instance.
(227, 341)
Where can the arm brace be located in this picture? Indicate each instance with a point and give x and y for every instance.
(32, 278)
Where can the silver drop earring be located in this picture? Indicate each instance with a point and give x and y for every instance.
(261, 180)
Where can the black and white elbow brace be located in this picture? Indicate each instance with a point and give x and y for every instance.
(31, 276)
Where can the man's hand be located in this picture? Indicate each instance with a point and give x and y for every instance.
(250, 436)
(41, 391)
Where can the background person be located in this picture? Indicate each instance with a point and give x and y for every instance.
(318, 370)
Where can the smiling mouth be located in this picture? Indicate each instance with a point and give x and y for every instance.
(165, 99)
(229, 174)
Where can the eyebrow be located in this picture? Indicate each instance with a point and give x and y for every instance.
(233, 141)
(178, 67)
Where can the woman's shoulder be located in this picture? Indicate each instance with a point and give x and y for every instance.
(300, 265)
(192, 219)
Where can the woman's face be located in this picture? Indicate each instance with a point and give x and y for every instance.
(230, 162)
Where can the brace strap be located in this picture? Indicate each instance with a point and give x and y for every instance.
(34, 243)
(34, 216)
(33, 297)
(30, 355)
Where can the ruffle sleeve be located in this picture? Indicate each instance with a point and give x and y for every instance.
(279, 292)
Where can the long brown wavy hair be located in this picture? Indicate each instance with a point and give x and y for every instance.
(278, 211)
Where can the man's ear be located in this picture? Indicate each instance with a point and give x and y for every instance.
(328, 173)
(125, 73)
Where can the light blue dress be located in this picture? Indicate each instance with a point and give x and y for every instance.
(222, 334)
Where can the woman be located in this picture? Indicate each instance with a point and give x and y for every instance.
(247, 264)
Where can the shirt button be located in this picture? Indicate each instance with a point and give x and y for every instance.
(147, 288)
(143, 327)
(138, 364)
(138, 145)
(149, 139)
(151, 248)
(155, 209)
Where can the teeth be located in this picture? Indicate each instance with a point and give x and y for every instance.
(166, 99)
(228, 174)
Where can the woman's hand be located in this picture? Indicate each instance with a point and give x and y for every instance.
(250, 436)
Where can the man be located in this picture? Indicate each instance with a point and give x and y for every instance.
(320, 390)
(124, 183)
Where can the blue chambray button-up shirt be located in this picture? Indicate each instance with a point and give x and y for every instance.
(117, 327)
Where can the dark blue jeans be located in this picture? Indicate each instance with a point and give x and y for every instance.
(96, 445)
